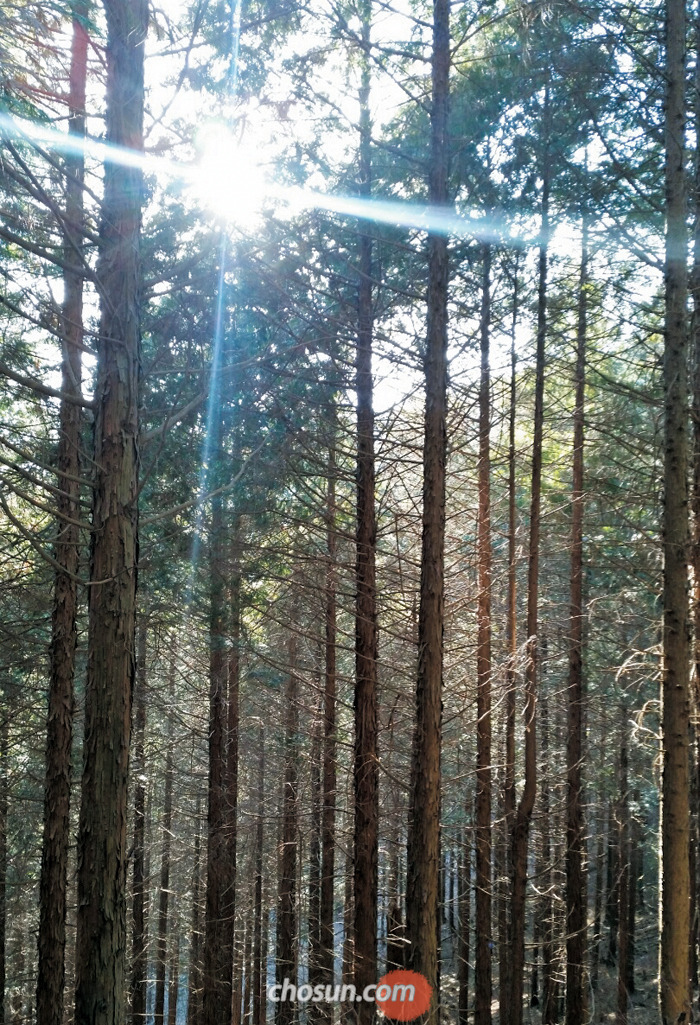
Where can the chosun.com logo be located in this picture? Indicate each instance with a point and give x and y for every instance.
(400, 995)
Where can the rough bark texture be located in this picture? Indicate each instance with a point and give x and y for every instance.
(482, 969)
(424, 818)
(675, 920)
(102, 848)
(575, 896)
(366, 767)
(521, 824)
(56, 839)
(512, 642)
(139, 960)
(465, 883)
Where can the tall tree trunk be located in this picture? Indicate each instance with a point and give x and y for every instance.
(259, 973)
(547, 918)
(366, 766)
(521, 824)
(102, 847)
(314, 928)
(465, 884)
(575, 894)
(482, 970)
(424, 818)
(194, 997)
(632, 901)
(326, 911)
(164, 892)
(56, 839)
(506, 966)
(287, 908)
(139, 959)
(624, 883)
(218, 936)
(674, 955)
(232, 740)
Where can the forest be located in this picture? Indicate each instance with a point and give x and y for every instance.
(350, 505)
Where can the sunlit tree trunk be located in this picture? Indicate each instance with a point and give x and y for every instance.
(575, 895)
(102, 847)
(675, 890)
(259, 982)
(56, 839)
(423, 863)
(482, 970)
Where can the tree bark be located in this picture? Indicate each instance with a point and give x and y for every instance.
(102, 847)
(624, 883)
(3, 862)
(506, 966)
(139, 960)
(465, 883)
(194, 997)
(575, 895)
(423, 860)
(482, 970)
(521, 824)
(366, 766)
(675, 896)
(56, 838)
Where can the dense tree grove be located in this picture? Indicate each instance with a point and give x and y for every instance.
(350, 503)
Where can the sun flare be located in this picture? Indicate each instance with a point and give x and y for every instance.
(229, 178)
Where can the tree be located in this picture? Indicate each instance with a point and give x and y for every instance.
(101, 935)
(675, 897)
(424, 816)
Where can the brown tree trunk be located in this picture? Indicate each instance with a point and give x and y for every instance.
(164, 892)
(366, 767)
(56, 839)
(232, 740)
(218, 936)
(624, 883)
(194, 998)
(423, 860)
(547, 918)
(482, 968)
(314, 927)
(598, 906)
(286, 959)
(675, 900)
(102, 847)
(634, 864)
(465, 884)
(326, 911)
(521, 824)
(259, 973)
(575, 895)
(505, 978)
(139, 965)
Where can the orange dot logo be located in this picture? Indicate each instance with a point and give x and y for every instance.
(403, 995)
